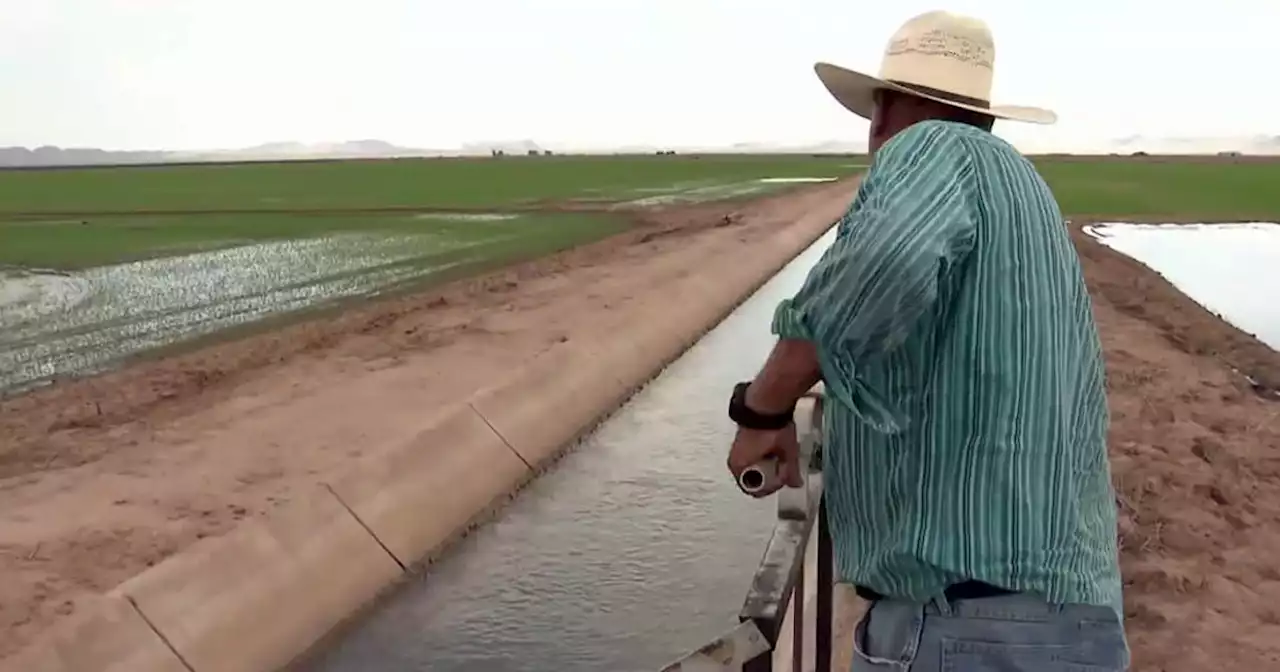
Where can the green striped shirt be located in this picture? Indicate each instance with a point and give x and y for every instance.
(966, 427)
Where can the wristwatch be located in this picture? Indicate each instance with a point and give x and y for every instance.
(747, 418)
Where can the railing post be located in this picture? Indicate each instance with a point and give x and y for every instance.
(797, 619)
(826, 593)
(779, 581)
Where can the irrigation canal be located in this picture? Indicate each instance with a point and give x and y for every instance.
(634, 549)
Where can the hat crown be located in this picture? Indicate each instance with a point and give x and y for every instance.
(942, 51)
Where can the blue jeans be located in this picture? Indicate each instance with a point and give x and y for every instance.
(1007, 633)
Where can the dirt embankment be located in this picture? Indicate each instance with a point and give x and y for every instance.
(103, 477)
(1196, 461)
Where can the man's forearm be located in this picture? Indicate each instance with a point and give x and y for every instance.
(791, 370)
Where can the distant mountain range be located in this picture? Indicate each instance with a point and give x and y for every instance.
(1258, 144)
(274, 151)
(22, 157)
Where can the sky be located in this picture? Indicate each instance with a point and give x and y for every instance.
(205, 74)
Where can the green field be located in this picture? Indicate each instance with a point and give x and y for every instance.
(403, 183)
(108, 239)
(1156, 187)
(86, 217)
(98, 264)
(72, 218)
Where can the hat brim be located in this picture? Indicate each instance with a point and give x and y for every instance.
(856, 92)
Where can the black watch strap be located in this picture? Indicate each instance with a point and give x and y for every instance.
(746, 418)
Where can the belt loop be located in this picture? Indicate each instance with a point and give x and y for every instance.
(942, 605)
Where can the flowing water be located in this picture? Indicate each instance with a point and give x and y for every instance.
(634, 549)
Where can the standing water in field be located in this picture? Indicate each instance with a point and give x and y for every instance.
(29, 294)
(1223, 267)
(701, 192)
(55, 324)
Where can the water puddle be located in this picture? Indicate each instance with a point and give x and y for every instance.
(56, 325)
(1223, 267)
(27, 295)
(697, 195)
(701, 193)
(467, 216)
(795, 180)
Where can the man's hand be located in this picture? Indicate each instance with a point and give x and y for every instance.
(752, 446)
(791, 370)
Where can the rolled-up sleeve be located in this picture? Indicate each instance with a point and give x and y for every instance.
(913, 220)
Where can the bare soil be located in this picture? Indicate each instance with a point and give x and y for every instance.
(1195, 452)
(102, 477)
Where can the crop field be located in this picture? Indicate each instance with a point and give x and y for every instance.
(395, 184)
(100, 264)
(1177, 188)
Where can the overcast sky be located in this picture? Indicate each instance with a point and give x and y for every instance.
(189, 74)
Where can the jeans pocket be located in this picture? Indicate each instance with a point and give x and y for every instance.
(886, 639)
(959, 655)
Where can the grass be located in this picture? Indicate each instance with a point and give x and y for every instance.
(1165, 187)
(70, 244)
(403, 183)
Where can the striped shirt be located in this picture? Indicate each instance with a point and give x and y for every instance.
(967, 416)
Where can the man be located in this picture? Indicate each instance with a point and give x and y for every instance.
(967, 483)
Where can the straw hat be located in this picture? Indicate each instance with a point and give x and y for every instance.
(937, 55)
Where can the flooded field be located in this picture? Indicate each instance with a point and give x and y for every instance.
(61, 323)
(1223, 267)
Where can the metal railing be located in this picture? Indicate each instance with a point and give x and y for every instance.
(779, 582)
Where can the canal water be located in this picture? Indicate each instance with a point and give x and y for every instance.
(633, 550)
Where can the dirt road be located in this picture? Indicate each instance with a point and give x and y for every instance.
(102, 477)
